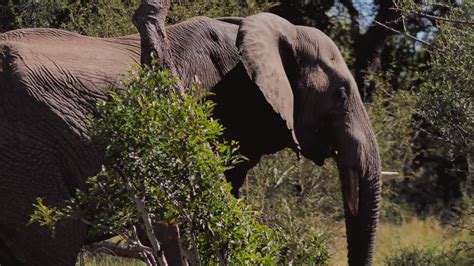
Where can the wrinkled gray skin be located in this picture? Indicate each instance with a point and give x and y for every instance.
(276, 85)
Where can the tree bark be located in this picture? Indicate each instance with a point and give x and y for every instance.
(149, 19)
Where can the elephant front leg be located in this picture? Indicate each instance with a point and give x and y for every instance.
(236, 176)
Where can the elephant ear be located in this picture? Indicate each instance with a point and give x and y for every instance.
(263, 41)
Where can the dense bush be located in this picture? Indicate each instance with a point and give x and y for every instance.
(182, 10)
(439, 182)
(446, 98)
(99, 18)
(298, 199)
(104, 18)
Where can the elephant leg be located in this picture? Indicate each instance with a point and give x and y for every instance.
(168, 238)
(236, 176)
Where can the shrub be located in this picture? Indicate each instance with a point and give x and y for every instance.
(99, 18)
(164, 165)
(299, 200)
(461, 253)
(216, 8)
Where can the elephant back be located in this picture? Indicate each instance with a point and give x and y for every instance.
(64, 71)
(67, 72)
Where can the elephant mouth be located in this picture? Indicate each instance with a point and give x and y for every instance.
(319, 155)
(319, 160)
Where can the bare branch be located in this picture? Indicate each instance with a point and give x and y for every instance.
(148, 225)
(149, 19)
(409, 36)
(157, 251)
(188, 257)
(421, 14)
(148, 256)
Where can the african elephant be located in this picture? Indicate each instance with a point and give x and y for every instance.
(276, 85)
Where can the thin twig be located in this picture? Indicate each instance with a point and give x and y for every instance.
(148, 256)
(471, 23)
(409, 36)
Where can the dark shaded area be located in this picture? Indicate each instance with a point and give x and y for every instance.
(255, 126)
(440, 185)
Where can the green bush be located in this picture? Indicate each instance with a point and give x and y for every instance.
(100, 18)
(16, 14)
(162, 148)
(299, 200)
(105, 18)
(460, 253)
(446, 102)
(216, 8)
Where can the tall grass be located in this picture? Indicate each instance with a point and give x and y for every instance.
(414, 235)
(91, 259)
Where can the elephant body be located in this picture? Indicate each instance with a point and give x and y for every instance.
(50, 80)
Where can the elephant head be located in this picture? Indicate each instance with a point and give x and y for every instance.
(303, 76)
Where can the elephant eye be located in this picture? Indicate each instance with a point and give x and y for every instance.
(341, 97)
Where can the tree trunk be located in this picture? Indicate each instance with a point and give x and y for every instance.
(149, 19)
(368, 47)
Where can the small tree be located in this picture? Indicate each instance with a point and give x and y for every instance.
(164, 165)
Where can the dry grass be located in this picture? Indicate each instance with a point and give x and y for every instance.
(412, 233)
(106, 260)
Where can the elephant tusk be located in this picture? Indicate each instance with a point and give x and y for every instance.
(389, 174)
(351, 189)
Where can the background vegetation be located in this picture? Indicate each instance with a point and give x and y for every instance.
(413, 63)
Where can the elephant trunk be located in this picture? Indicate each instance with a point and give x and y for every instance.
(358, 161)
(361, 226)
